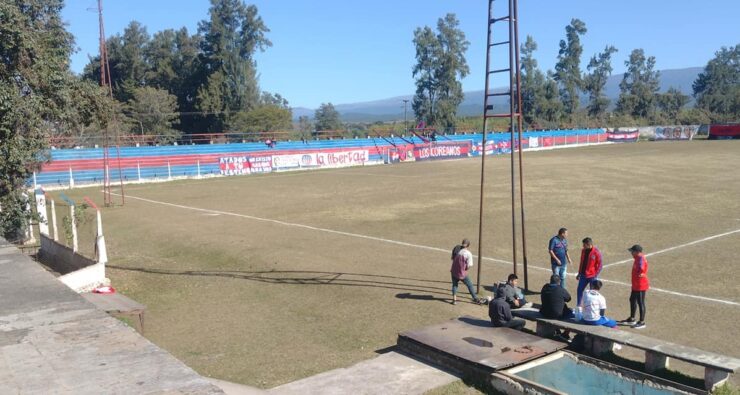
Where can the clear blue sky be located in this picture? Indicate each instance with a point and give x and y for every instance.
(344, 51)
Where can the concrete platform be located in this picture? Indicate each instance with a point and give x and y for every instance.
(471, 347)
(54, 341)
(390, 373)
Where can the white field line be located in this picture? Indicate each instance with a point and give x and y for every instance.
(677, 247)
(402, 243)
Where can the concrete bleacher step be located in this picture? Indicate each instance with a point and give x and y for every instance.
(390, 373)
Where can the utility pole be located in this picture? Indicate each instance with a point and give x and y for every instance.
(405, 122)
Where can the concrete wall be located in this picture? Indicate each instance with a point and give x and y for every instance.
(61, 258)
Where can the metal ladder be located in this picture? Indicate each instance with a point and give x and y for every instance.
(515, 124)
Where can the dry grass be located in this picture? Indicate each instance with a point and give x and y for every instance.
(264, 303)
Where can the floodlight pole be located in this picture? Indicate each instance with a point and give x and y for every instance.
(405, 122)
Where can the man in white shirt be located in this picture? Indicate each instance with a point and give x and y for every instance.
(593, 305)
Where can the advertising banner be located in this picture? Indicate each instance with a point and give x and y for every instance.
(296, 161)
(436, 151)
(534, 142)
(675, 133)
(320, 160)
(622, 136)
(242, 165)
(342, 159)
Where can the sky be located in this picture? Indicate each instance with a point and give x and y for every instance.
(347, 51)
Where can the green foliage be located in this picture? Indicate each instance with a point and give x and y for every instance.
(568, 67)
(693, 116)
(264, 118)
(717, 89)
(38, 93)
(327, 118)
(600, 68)
(533, 82)
(550, 108)
(81, 218)
(440, 64)
(639, 86)
(153, 111)
(671, 103)
(231, 37)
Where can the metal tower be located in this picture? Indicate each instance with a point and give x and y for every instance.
(511, 42)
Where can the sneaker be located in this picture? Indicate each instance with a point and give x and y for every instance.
(454, 302)
(639, 325)
(562, 338)
(527, 305)
(629, 321)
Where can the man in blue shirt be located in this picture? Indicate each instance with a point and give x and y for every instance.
(559, 257)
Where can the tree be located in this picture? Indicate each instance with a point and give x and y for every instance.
(440, 64)
(274, 99)
(153, 111)
(231, 37)
(264, 118)
(451, 68)
(639, 86)
(600, 68)
(172, 56)
(327, 118)
(671, 103)
(533, 81)
(550, 107)
(717, 88)
(128, 66)
(425, 99)
(304, 125)
(37, 91)
(568, 67)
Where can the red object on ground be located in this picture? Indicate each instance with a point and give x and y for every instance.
(104, 290)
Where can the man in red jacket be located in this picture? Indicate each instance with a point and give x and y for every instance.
(640, 285)
(590, 267)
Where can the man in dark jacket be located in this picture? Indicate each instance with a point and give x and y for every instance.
(500, 314)
(554, 299)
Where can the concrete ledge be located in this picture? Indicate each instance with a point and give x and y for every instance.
(53, 341)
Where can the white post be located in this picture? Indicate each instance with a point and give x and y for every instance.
(74, 228)
(54, 220)
(29, 229)
(169, 171)
(138, 169)
(71, 179)
(41, 210)
(100, 248)
(198, 168)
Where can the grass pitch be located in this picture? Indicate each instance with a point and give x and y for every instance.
(267, 279)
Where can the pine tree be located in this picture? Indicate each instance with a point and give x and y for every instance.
(568, 67)
(639, 86)
(533, 81)
(600, 68)
(717, 89)
(231, 37)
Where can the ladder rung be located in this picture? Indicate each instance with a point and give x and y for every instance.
(499, 94)
(494, 20)
(498, 71)
(501, 115)
(500, 43)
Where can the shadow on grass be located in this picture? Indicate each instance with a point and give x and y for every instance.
(300, 277)
(407, 295)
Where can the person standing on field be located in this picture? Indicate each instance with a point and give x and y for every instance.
(640, 285)
(462, 260)
(559, 257)
(590, 267)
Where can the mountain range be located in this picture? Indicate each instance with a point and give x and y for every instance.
(392, 108)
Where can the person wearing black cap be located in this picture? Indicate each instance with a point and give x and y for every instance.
(640, 285)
